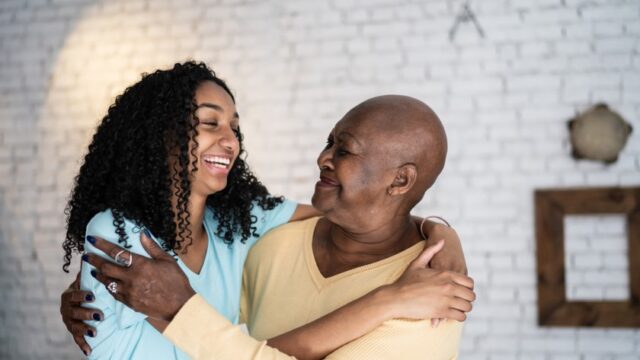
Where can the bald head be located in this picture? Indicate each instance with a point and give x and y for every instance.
(410, 132)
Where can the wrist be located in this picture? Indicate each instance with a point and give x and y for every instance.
(384, 299)
(180, 302)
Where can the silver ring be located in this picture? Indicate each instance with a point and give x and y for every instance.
(123, 261)
(113, 287)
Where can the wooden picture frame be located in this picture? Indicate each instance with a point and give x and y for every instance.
(550, 208)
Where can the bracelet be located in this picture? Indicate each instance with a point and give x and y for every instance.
(424, 237)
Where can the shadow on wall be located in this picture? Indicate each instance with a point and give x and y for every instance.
(62, 91)
(31, 219)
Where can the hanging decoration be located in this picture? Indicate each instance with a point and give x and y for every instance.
(464, 16)
(598, 134)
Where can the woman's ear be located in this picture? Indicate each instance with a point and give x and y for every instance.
(405, 178)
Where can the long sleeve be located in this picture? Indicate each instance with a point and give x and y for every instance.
(118, 333)
(201, 332)
(404, 339)
(112, 341)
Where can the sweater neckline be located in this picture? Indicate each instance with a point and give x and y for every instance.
(321, 281)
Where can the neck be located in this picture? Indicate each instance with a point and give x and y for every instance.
(194, 254)
(387, 239)
(196, 206)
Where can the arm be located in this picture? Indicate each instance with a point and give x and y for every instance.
(74, 314)
(451, 257)
(403, 339)
(441, 294)
(111, 336)
(201, 332)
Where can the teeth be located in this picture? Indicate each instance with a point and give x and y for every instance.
(218, 161)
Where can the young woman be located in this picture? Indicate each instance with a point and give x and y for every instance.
(166, 159)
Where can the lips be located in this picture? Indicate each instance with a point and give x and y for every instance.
(223, 162)
(217, 164)
(327, 182)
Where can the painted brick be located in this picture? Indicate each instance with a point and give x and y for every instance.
(296, 67)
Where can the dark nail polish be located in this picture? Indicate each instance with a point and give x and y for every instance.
(147, 233)
(90, 333)
(85, 257)
(91, 239)
(89, 297)
(85, 352)
(96, 316)
(94, 273)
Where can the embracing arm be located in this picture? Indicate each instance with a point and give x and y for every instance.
(200, 331)
(74, 314)
(451, 258)
(193, 326)
(418, 294)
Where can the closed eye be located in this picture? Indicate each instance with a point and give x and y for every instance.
(209, 123)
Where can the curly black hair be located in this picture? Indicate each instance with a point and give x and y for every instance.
(140, 156)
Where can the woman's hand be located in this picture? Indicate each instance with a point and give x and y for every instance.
(73, 314)
(422, 292)
(154, 286)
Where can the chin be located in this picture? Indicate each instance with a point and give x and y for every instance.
(214, 187)
(320, 204)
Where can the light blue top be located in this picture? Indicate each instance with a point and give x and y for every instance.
(124, 333)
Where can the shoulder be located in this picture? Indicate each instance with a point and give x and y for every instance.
(103, 225)
(257, 210)
(269, 218)
(102, 221)
(281, 244)
(287, 234)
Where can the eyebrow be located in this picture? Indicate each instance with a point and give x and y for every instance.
(216, 107)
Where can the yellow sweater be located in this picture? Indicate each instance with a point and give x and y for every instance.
(283, 289)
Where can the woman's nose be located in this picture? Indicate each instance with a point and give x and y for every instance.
(229, 141)
(325, 159)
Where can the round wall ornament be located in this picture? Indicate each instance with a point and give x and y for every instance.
(598, 134)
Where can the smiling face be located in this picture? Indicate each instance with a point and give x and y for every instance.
(217, 139)
(356, 168)
(379, 161)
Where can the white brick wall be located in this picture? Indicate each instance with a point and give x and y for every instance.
(297, 66)
(596, 261)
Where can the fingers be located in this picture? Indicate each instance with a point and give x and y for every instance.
(105, 267)
(76, 283)
(435, 322)
(78, 296)
(79, 313)
(456, 315)
(79, 329)
(427, 254)
(151, 246)
(110, 249)
(106, 280)
(82, 344)
(463, 292)
(461, 304)
(462, 280)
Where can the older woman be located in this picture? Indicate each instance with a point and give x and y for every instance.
(379, 161)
